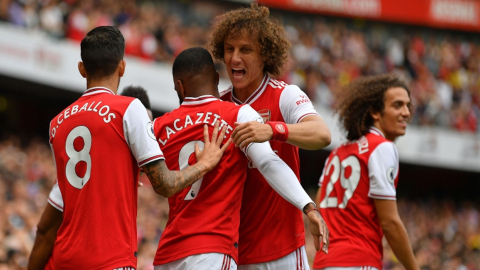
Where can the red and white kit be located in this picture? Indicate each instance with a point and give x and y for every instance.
(355, 173)
(265, 234)
(98, 143)
(204, 218)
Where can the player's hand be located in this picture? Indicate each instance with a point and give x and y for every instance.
(248, 132)
(212, 150)
(319, 231)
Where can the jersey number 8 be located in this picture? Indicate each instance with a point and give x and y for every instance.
(78, 155)
(349, 183)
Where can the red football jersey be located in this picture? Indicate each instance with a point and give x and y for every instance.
(203, 218)
(98, 143)
(271, 227)
(355, 173)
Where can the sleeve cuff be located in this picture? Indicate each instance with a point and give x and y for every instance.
(383, 197)
(150, 159)
(55, 205)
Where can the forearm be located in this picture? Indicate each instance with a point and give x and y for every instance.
(309, 135)
(167, 183)
(278, 175)
(41, 252)
(397, 238)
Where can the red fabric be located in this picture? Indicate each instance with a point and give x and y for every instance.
(99, 220)
(280, 131)
(270, 226)
(209, 222)
(355, 232)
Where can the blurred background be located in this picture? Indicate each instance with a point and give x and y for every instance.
(434, 45)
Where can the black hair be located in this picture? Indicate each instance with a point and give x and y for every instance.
(194, 60)
(137, 92)
(102, 50)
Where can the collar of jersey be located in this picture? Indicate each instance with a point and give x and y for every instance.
(255, 94)
(97, 90)
(376, 131)
(190, 101)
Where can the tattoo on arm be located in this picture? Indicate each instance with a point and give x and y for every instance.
(166, 182)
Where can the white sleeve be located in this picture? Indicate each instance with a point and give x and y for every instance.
(247, 114)
(55, 198)
(138, 131)
(383, 170)
(278, 175)
(295, 105)
(320, 181)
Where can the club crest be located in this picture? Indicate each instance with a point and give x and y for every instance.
(265, 114)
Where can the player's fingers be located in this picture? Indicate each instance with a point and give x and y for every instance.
(316, 242)
(226, 145)
(206, 138)
(197, 150)
(215, 132)
(246, 142)
(221, 136)
(241, 139)
(238, 132)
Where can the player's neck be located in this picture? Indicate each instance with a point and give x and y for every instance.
(244, 93)
(107, 83)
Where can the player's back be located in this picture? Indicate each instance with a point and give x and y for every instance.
(97, 176)
(205, 217)
(351, 179)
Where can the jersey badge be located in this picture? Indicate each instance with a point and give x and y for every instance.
(265, 114)
(150, 131)
(391, 175)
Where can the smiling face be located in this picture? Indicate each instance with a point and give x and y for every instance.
(393, 120)
(244, 63)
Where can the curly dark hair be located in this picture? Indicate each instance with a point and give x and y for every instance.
(254, 21)
(360, 98)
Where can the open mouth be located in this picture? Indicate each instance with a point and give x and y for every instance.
(238, 72)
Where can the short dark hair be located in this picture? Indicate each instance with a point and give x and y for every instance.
(360, 98)
(102, 50)
(137, 92)
(193, 60)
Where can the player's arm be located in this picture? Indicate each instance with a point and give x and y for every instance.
(284, 181)
(395, 232)
(167, 183)
(46, 234)
(303, 126)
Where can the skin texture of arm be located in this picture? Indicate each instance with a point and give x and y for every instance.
(311, 133)
(46, 234)
(167, 183)
(395, 232)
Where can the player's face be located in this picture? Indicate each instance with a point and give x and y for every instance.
(243, 62)
(393, 120)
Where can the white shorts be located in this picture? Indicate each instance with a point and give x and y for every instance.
(350, 268)
(211, 261)
(296, 260)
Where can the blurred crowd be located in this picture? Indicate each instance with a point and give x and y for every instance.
(442, 71)
(444, 235)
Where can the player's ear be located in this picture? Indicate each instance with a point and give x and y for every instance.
(180, 89)
(375, 115)
(81, 69)
(121, 68)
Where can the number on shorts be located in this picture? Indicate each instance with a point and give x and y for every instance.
(77, 156)
(350, 184)
(185, 153)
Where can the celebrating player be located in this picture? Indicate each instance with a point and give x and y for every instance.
(98, 143)
(357, 188)
(202, 229)
(254, 49)
(52, 216)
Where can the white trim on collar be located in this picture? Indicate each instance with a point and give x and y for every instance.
(376, 131)
(255, 94)
(97, 90)
(199, 100)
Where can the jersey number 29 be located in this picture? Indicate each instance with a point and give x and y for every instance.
(335, 171)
